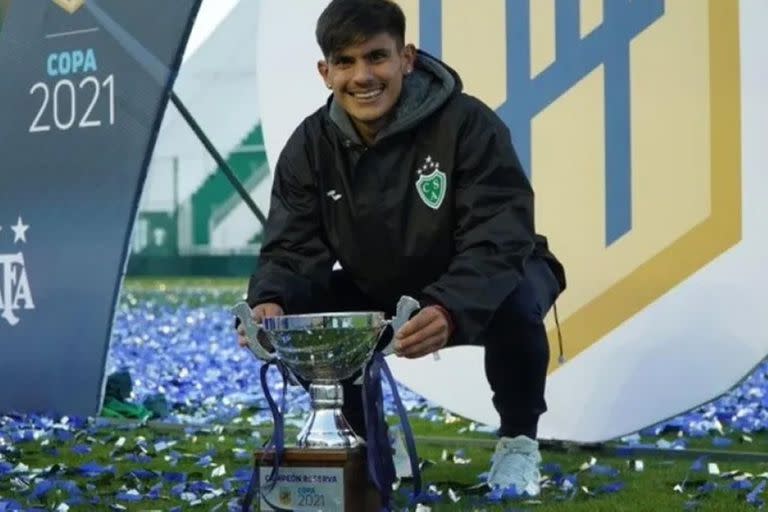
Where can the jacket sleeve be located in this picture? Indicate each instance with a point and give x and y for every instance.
(295, 260)
(494, 231)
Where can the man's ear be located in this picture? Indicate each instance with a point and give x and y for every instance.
(322, 68)
(409, 58)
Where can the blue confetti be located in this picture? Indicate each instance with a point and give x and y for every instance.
(132, 496)
(205, 461)
(138, 458)
(200, 487)
(753, 498)
(81, 449)
(601, 470)
(722, 442)
(174, 478)
(495, 496)
(42, 488)
(143, 474)
(154, 494)
(552, 469)
(243, 474)
(741, 485)
(611, 488)
(167, 350)
(188, 355)
(5, 468)
(92, 469)
(63, 435)
(177, 489)
(699, 464)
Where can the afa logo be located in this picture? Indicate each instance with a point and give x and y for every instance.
(626, 116)
(15, 293)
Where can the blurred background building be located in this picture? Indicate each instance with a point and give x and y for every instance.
(191, 219)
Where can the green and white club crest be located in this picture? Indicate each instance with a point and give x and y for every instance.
(431, 187)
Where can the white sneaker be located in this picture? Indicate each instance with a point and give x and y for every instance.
(516, 462)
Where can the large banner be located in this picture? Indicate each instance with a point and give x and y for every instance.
(639, 124)
(83, 84)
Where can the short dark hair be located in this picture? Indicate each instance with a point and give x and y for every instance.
(347, 22)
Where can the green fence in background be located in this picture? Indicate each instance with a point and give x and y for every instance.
(177, 241)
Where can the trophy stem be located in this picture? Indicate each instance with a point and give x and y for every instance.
(326, 426)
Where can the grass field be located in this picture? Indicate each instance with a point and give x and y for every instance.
(111, 462)
(125, 465)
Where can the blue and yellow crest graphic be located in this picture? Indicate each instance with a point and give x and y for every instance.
(626, 116)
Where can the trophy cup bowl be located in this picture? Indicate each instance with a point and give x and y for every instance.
(324, 349)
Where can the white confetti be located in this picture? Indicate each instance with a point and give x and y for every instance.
(164, 445)
(189, 497)
(632, 438)
(458, 459)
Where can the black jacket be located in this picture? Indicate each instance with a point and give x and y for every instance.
(335, 199)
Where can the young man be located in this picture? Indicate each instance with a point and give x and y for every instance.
(415, 189)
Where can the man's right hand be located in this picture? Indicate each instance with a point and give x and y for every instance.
(259, 313)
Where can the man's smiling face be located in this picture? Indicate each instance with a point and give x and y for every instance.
(367, 79)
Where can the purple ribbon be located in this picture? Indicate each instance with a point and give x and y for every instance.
(381, 466)
(278, 436)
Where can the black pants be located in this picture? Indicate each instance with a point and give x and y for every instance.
(516, 349)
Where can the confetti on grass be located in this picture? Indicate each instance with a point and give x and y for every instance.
(180, 351)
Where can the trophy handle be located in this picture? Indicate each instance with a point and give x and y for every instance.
(252, 330)
(406, 306)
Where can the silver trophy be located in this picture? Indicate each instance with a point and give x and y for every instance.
(324, 349)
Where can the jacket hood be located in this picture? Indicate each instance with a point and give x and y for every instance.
(424, 91)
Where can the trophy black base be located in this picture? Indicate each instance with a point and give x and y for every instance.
(332, 480)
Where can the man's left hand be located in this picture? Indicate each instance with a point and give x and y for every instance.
(423, 334)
